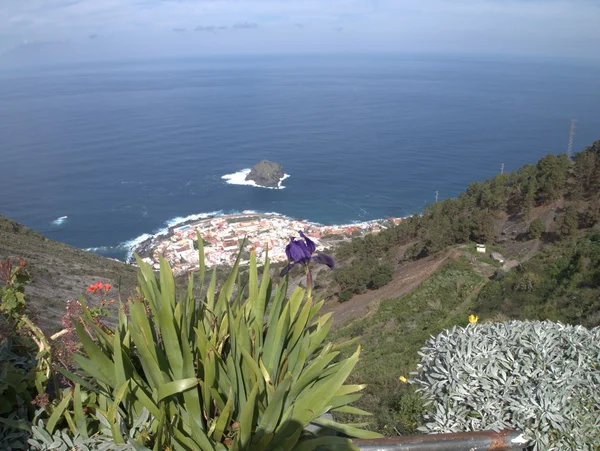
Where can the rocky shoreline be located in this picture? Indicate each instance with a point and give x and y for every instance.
(267, 174)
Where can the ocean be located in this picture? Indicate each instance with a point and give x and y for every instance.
(99, 155)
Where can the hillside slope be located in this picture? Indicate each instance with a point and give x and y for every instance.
(59, 271)
(551, 199)
(559, 281)
(545, 221)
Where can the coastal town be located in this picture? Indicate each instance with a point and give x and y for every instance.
(223, 235)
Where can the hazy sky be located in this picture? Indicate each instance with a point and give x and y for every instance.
(100, 29)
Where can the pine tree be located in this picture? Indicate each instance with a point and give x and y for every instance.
(536, 229)
(570, 222)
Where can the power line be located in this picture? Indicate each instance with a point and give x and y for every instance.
(571, 137)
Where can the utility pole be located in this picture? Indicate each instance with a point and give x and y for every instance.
(437, 193)
(502, 169)
(571, 137)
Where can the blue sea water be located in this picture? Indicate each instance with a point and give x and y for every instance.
(99, 154)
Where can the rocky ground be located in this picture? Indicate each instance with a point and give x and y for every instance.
(59, 271)
(266, 173)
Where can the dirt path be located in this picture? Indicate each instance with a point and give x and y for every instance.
(406, 278)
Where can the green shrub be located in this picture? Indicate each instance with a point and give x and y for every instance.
(488, 261)
(345, 296)
(24, 357)
(381, 276)
(570, 222)
(527, 282)
(538, 377)
(13, 437)
(17, 391)
(353, 277)
(248, 370)
(360, 275)
(560, 283)
(14, 276)
(17, 379)
(536, 229)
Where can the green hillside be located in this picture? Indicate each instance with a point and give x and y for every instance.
(565, 194)
(560, 283)
(544, 219)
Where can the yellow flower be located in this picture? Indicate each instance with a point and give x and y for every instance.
(403, 379)
(473, 319)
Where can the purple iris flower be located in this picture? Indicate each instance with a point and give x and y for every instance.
(300, 252)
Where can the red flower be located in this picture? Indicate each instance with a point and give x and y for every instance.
(107, 286)
(98, 286)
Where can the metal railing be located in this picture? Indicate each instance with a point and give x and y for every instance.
(463, 441)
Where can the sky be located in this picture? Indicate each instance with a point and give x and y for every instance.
(72, 30)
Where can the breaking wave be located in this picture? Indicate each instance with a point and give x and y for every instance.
(239, 178)
(100, 249)
(131, 245)
(182, 219)
(60, 221)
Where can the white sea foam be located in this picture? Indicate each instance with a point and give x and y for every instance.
(60, 221)
(256, 212)
(131, 245)
(239, 178)
(181, 219)
(128, 246)
(274, 213)
(99, 249)
(137, 241)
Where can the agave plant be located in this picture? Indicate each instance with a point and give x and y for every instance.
(248, 369)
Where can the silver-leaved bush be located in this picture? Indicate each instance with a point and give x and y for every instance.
(541, 378)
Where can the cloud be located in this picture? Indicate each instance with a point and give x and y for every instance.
(59, 4)
(560, 27)
(209, 28)
(245, 26)
(93, 36)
